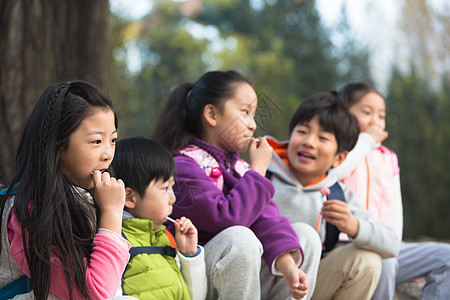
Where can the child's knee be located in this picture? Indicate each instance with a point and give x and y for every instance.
(243, 242)
(368, 261)
(351, 259)
(309, 238)
(442, 252)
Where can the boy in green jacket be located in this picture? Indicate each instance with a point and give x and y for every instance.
(148, 171)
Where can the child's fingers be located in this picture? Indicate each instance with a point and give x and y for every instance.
(106, 176)
(297, 294)
(253, 144)
(304, 280)
(120, 182)
(177, 225)
(263, 143)
(185, 224)
(97, 177)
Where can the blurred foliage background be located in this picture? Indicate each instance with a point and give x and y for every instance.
(283, 47)
(288, 54)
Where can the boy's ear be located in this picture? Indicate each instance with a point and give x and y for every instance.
(130, 198)
(339, 158)
(210, 114)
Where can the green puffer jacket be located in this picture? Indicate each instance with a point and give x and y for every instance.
(151, 276)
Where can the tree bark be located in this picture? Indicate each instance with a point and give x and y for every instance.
(42, 42)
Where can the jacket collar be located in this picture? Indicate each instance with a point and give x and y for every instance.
(279, 166)
(219, 154)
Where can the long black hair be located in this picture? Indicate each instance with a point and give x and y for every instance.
(46, 203)
(181, 117)
(139, 160)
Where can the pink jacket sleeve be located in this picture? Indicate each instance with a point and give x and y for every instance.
(103, 271)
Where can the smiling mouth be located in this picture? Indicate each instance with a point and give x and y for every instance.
(305, 155)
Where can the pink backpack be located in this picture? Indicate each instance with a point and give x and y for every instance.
(210, 165)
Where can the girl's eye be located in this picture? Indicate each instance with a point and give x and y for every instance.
(114, 140)
(323, 138)
(166, 188)
(245, 111)
(97, 142)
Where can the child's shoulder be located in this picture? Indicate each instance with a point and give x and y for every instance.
(200, 155)
(391, 158)
(210, 165)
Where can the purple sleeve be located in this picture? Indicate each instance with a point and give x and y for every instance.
(248, 203)
(208, 207)
(275, 233)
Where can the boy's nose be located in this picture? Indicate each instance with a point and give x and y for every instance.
(309, 140)
(172, 197)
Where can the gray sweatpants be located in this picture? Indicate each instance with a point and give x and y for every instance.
(235, 269)
(429, 259)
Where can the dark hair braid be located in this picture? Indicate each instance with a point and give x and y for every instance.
(46, 203)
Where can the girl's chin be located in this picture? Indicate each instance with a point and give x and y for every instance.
(88, 184)
(239, 148)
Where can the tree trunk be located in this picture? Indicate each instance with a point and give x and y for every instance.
(42, 42)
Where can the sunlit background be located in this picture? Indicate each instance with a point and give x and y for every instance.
(289, 49)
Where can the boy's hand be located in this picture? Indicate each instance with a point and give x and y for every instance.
(378, 134)
(109, 194)
(338, 213)
(260, 155)
(297, 281)
(186, 236)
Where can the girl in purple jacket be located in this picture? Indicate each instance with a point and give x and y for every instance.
(205, 125)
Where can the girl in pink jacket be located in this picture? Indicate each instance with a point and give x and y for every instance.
(53, 230)
(376, 180)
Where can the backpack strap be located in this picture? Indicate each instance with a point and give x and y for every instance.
(167, 250)
(332, 232)
(4, 190)
(22, 285)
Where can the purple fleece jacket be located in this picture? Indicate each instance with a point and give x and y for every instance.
(245, 201)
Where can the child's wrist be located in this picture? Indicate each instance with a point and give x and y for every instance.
(260, 170)
(355, 229)
(112, 220)
(191, 253)
(284, 263)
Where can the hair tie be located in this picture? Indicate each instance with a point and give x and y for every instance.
(189, 92)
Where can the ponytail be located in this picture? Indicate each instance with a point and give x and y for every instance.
(181, 117)
(173, 130)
